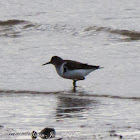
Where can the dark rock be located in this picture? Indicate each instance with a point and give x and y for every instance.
(47, 133)
(34, 134)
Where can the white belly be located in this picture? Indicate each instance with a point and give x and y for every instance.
(77, 74)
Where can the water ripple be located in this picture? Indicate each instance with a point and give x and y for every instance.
(75, 93)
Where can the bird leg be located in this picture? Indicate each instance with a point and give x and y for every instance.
(74, 83)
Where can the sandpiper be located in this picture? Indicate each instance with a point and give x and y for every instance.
(70, 69)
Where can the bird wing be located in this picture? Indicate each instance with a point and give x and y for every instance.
(73, 65)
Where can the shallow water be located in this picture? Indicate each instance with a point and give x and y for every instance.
(105, 33)
(73, 115)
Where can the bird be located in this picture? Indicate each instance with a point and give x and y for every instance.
(70, 69)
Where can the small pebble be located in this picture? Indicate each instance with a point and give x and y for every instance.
(34, 134)
(121, 136)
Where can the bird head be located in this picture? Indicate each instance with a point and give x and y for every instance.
(54, 60)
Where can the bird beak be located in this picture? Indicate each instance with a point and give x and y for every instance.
(46, 63)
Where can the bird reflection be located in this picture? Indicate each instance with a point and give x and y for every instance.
(73, 106)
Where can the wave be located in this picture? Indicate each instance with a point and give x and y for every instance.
(64, 28)
(80, 93)
(12, 22)
(14, 27)
(132, 34)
